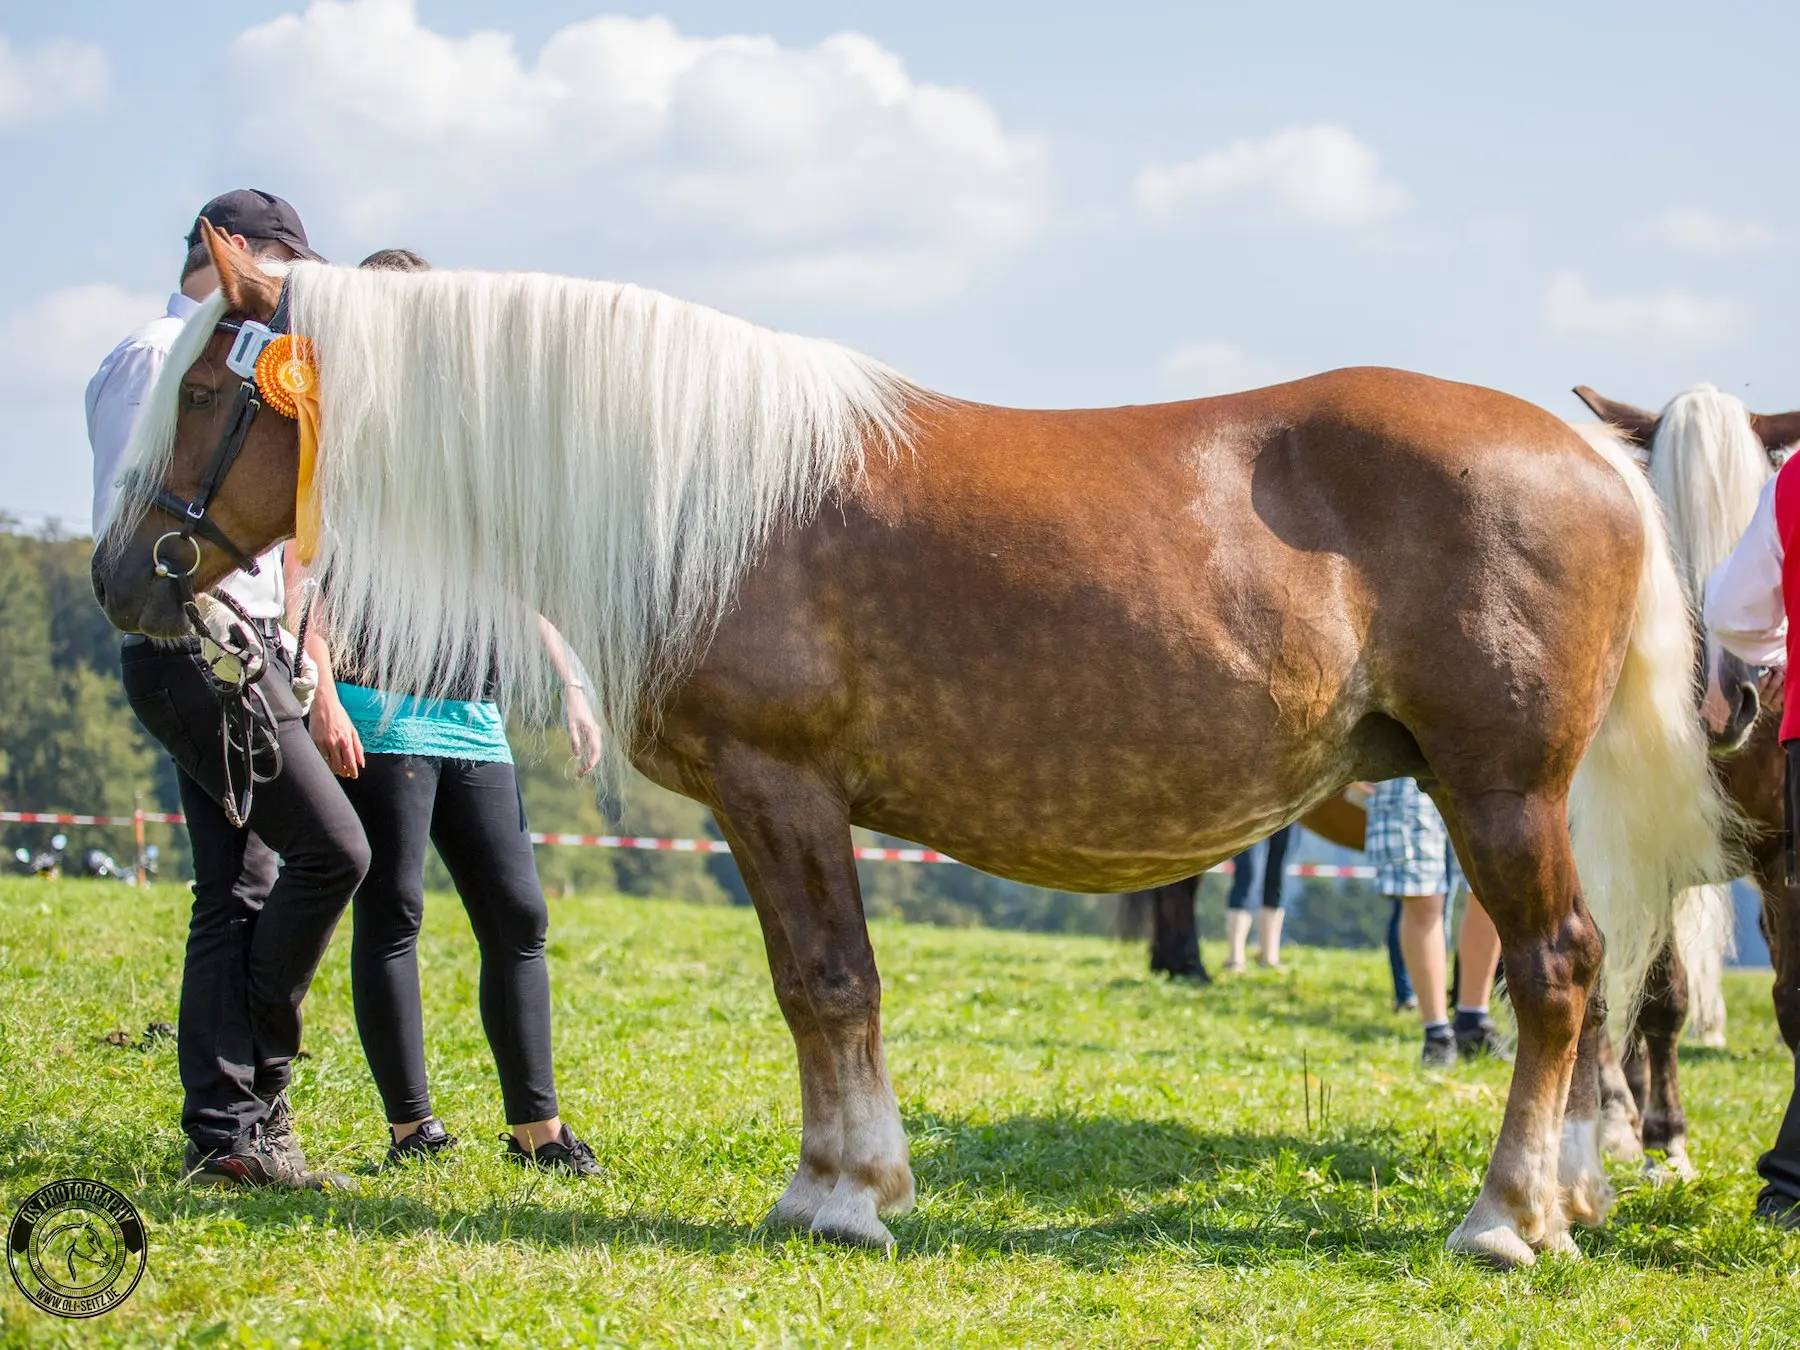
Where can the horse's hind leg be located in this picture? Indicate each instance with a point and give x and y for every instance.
(790, 832)
(1661, 1016)
(1620, 1123)
(1175, 942)
(1516, 847)
(1585, 1192)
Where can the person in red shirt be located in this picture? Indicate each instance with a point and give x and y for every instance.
(1747, 613)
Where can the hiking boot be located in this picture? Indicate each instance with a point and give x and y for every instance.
(430, 1140)
(1440, 1049)
(253, 1161)
(1478, 1038)
(278, 1132)
(565, 1153)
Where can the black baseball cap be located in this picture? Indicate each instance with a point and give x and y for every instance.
(255, 215)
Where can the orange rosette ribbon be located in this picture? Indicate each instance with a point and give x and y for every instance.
(289, 381)
(285, 374)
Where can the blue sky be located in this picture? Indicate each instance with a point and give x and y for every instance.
(1011, 202)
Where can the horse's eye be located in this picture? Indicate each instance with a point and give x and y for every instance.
(199, 398)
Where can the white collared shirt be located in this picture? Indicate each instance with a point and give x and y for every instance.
(115, 397)
(1745, 609)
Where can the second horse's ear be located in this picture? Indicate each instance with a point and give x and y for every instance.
(1634, 424)
(1777, 431)
(248, 289)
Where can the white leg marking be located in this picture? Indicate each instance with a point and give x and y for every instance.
(1587, 1195)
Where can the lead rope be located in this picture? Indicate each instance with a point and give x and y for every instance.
(247, 725)
(252, 741)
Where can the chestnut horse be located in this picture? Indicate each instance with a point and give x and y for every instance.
(1095, 650)
(1709, 458)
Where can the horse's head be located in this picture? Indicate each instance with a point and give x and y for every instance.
(226, 491)
(1776, 431)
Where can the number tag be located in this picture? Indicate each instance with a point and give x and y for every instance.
(252, 337)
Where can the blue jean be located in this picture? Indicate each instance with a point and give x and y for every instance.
(1403, 986)
(1274, 872)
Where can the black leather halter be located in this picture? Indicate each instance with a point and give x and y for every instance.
(247, 726)
(192, 513)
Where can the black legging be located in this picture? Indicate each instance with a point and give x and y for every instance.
(472, 811)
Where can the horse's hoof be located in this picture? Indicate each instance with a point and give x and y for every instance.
(849, 1218)
(1619, 1137)
(1673, 1166)
(1564, 1246)
(801, 1202)
(1499, 1245)
(1585, 1192)
(903, 1196)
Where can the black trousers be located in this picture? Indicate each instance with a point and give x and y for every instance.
(472, 811)
(258, 931)
(1780, 1166)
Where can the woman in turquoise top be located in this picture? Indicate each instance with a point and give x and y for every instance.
(440, 770)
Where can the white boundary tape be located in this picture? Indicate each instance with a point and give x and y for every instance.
(905, 855)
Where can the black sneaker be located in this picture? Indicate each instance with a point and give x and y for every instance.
(255, 1162)
(430, 1140)
(565, 1153)
(1478, 1038)
(1780, 1211)
(1440, 1049)
(278, 1132)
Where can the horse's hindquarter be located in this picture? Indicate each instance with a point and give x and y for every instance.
(1085, 649)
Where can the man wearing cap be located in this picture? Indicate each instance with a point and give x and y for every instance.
(258, 931)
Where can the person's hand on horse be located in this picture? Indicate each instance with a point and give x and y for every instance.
(335, 734)
(584, 729)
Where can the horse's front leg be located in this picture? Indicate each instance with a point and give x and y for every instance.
(790, 831)
(821, 1119)
(1661, 1016)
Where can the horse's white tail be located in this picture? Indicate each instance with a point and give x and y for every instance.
(1705, 934)
(1647, 819)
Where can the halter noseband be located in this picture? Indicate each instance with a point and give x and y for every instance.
(252, 337)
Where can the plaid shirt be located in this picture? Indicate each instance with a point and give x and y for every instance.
(1407, 842)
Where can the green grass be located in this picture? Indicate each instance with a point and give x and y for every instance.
(1103, 1159)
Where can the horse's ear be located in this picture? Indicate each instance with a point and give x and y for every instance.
(248, 289)
(1777, 431)
(1634, 424)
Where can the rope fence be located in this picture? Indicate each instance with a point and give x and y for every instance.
(138, 819)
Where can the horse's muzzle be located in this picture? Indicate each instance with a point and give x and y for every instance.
(1731, 705)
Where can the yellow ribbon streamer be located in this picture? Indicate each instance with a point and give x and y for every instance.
(306, 490)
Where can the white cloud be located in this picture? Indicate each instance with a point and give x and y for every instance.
(1200, 369)
(57, 342)
(1671, 318)
(1704, 232)
(49, 79)
(1319, 175)
(825, 167)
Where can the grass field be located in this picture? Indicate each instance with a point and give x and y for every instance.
(1103, 1159)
